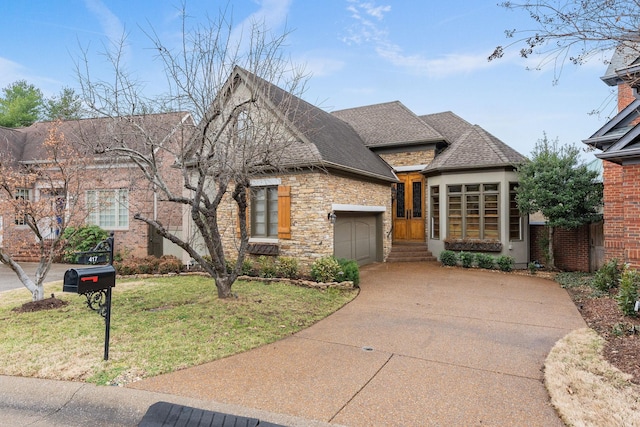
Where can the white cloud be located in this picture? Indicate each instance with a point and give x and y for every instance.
(110, 23)
(368, 31)
(364, 29)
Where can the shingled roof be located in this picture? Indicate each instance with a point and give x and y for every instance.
(336, 144)
(88, 135)
(388, 124)
(450, 125)
(475, 148)
(624, 62)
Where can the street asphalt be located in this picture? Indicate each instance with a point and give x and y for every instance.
(9, 280)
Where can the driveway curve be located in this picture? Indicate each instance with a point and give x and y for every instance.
(422, 344)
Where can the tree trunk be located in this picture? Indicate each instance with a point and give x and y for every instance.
(36, 289)
(552, 260)
(223, 284)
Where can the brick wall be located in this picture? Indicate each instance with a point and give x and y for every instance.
(631, 217)
(621, 203)
(571, 247)
(625, 96)
(613, 211)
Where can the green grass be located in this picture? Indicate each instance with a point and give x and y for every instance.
(158, 325)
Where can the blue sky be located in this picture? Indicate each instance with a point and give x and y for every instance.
(430, 55)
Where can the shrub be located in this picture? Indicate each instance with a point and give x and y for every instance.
(81, 239)
(350, 270)
(287, 267)
(326, 269)
(125, 267)
(148, 265)
(628, 292)
(246, 269)
(485, 260)
(505, 262)
(608, 276)
(169, 264)
(448, 258)
(267, 266)
(467, 259)
(533, 268)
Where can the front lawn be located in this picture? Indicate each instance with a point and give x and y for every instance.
(158, 325)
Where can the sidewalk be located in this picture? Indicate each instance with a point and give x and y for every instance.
(47, 403)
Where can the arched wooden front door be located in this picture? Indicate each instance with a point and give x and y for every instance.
(408, 208)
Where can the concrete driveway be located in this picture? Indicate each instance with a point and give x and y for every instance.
(421, 345)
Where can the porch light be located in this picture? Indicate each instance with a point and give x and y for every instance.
(331, 216)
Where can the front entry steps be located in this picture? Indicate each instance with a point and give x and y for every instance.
(410, 252)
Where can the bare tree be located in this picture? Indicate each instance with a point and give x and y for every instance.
(57, 177)
(574, 31)
(228, 82)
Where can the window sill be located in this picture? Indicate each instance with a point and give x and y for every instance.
(270, 249)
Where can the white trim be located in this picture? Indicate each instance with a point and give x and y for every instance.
(411, 168)
(339, 207)
(262, 240)
(265, 182)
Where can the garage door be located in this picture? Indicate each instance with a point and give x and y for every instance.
(356, 237)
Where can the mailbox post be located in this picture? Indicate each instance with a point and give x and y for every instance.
(95, 284)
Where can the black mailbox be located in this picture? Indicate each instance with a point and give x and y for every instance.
(83, 280)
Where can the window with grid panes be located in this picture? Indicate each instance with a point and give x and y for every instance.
(454, 219)
(515, 219)
(108, 209)
(473, 211)
(435, 212)
(264, 212)
(22, 194)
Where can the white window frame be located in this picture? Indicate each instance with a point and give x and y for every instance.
(25, 194)
(120, 213)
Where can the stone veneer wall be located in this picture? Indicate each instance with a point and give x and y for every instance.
(408, 158)
(312, 195)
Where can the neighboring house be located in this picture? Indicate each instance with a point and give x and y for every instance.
(366, 181)
(113, 190)
(619, 141)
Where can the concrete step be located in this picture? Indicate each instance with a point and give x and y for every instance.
(410, 252)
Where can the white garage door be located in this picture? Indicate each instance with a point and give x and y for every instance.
(356, 237)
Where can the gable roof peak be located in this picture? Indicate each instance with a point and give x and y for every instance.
(324, 140)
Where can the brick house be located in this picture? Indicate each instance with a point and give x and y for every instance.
(112, 190)
(377, 183)
(618, 141)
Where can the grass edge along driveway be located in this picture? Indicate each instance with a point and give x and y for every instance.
(158, 325)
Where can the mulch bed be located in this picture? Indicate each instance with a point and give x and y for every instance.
(45, 304)
(621, 333)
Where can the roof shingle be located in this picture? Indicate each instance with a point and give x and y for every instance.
(388, 124)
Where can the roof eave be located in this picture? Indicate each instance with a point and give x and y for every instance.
(620, 157)
(361, 172)
(407, 143)
(473, 168)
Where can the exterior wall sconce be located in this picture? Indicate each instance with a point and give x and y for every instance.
(331, 216)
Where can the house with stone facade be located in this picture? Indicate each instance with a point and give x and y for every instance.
(619, 144)
(112, 192)
(377, 183)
